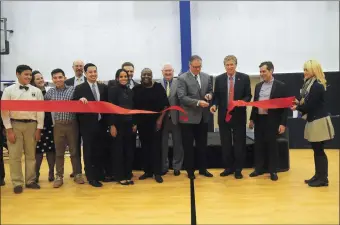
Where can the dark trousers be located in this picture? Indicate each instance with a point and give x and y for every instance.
(233, 141)
(93, 145)
(2, 166)
(123, 152)
(265, 143)
(320, 160)
(51, 158)
(151, 147)
(199, 133)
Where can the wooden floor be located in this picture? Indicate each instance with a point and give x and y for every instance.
(218, 200)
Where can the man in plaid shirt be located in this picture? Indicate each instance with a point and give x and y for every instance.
(66, 130)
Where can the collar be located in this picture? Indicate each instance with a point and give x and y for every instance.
(194, 74)
(81, 77)
(95, 83)
(269, 82)
(165, 80)
(62, 89)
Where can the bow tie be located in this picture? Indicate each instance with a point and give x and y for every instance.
(23, 87)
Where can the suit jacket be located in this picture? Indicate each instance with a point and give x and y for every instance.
(242, 91)
(173, 100)
(89, 120)
(112, 83)
(189, 93)
(70, 81)
(314, 104)
(277, 117)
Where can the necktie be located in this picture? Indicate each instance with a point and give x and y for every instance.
(168, 88)
(197, 81)
(78, 81)
(23, 87)
(231, 89)
(94, 91)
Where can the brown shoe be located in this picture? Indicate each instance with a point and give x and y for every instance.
(79, 179)
(58, 182)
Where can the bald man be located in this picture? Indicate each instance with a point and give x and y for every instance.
(79, 78)
(171, 125)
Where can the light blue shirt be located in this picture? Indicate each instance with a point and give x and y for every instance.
(264, 94)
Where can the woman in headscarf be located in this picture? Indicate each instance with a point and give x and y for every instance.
(319, 128)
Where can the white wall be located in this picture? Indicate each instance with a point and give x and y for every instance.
(48, 35)
(287, 33)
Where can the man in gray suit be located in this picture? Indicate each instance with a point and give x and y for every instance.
(170, 124)
(194, 90)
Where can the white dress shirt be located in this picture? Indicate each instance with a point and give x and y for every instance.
(96, 87)
(198, 78)
(79, 80)
(13, 92)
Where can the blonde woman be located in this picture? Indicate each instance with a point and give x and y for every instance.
(319, 127)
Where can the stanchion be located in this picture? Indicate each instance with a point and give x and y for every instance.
(193, 204)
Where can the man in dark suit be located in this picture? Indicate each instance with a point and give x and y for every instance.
(268, 123)
(93, 126)
(130, 68)
(2, 166)
(194, 90)
(79, 78)
(231, 86)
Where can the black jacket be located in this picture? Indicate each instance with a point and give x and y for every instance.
(314, 104)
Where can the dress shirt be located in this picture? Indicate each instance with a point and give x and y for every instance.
(264, 94)
(14, 92)
(79, 80)
(61, 94)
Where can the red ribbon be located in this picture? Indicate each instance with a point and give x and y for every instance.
(275, 103)
(73, 106)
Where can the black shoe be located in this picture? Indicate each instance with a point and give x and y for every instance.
(95, 183)
(33, 185)
(2, 182)
(158, 179)
(205, 173)
(314, 178)
(123, 182)
(238, 175)
(255, 174)
(226, 172)
(274, 177)
(319, 183)
(18, 189)
(177, 172)
(145, 176)
(51, 178)
(72, 175)
(131, 182)
(191, 176)
(165, 172)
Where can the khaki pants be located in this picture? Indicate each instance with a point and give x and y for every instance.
(25, 140)
(66, 132)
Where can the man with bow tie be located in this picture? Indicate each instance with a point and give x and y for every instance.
(231, 86)
(23, 130)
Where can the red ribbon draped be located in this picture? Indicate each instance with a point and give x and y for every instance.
(73, 106)
(275, 103)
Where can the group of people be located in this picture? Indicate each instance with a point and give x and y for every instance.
(109, 140)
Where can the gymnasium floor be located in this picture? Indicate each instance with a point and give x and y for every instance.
(218, 200)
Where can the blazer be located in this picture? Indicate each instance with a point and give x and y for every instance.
(314, 104)
(276, 116)
(189, 93)
(70, 81)
(242, 91)
(173, 100)
(88, 120)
